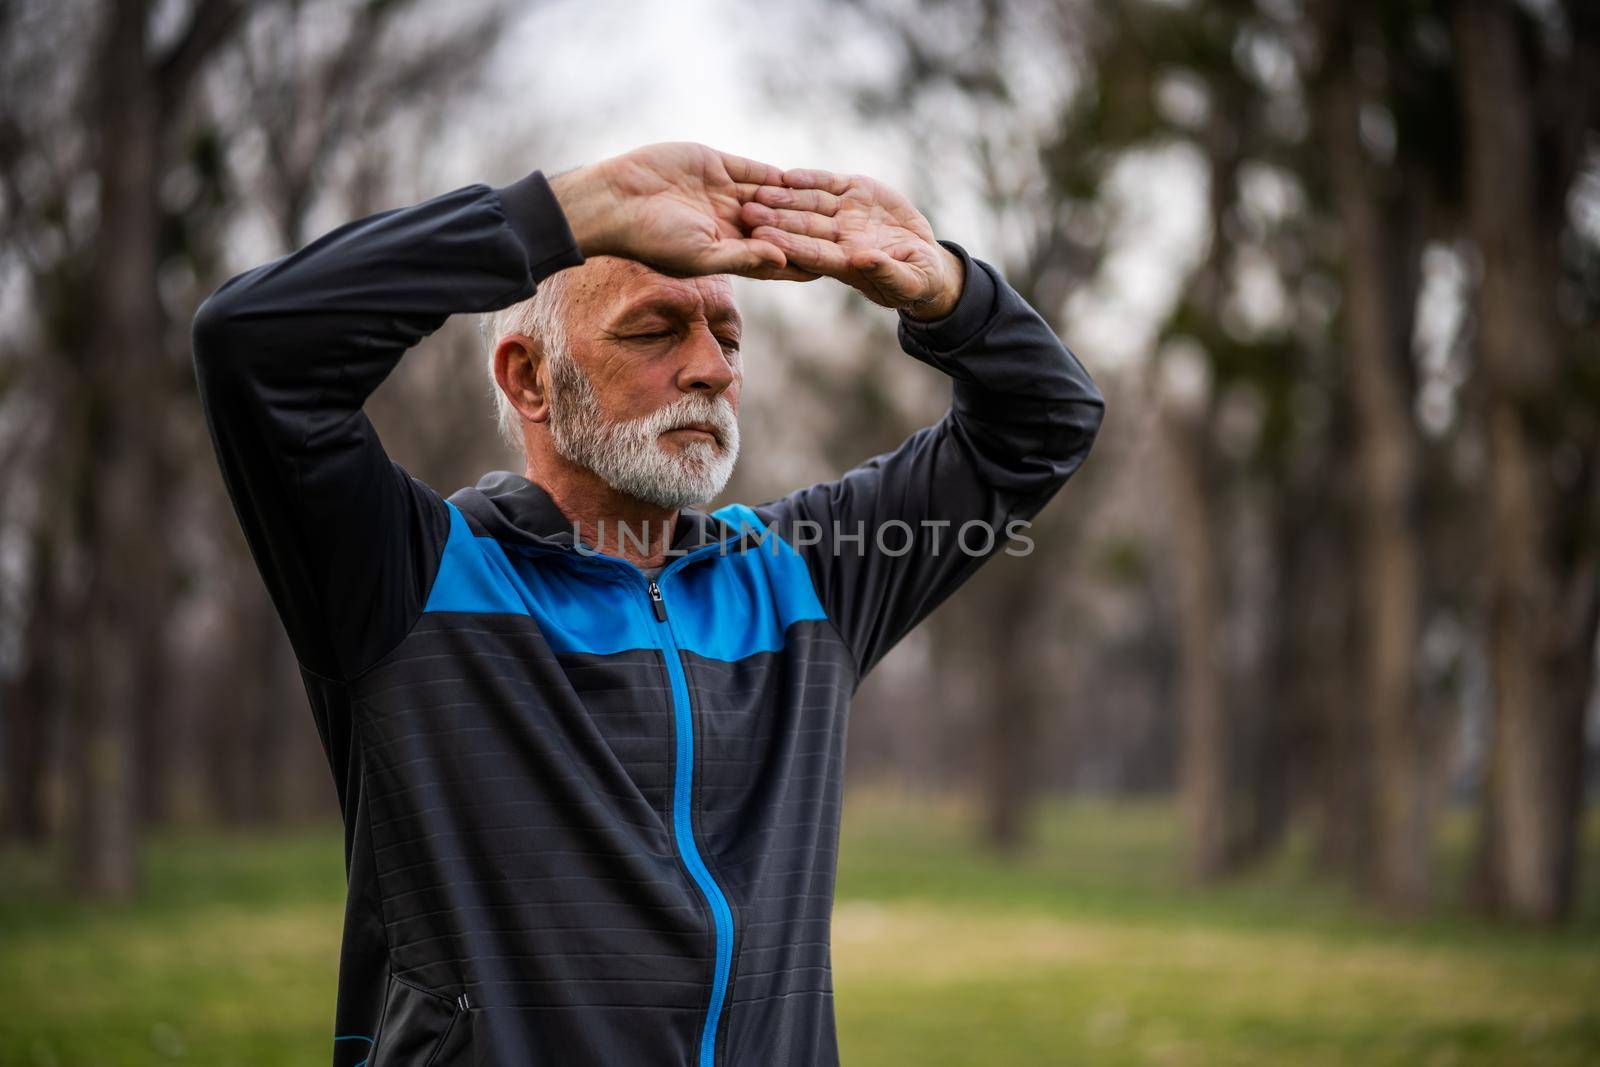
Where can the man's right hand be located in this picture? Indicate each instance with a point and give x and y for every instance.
(674, 207)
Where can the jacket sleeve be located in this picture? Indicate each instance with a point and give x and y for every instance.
(886, 543)
(285, 356)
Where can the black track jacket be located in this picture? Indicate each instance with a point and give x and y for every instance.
(591, 819)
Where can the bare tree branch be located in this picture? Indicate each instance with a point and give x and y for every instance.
(210, 27)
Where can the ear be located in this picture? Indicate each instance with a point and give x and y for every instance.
(522, 374)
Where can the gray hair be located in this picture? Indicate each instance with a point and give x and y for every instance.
(543, 317)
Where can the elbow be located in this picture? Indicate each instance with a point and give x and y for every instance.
(211, 332)
(222, 347)
(1091, 412)
(1077, 422)
(227, 328)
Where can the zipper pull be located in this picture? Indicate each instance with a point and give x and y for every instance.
(656, 602)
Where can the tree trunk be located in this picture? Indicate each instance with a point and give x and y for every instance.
(154, 708)
(26, 702)
(1203, 768)
(1011, 722)
(1542, 594)
(1389, 582)
(1339, 757)
(119, 392)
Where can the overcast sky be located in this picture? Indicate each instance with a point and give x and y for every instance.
(616, 75)
(597, 77)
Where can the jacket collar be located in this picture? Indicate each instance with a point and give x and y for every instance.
(511, 508)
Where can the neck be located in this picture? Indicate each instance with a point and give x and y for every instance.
(606, 520)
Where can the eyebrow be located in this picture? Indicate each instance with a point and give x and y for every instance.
(674, 308)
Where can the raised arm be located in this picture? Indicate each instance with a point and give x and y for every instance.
(886, 540)
(287, 354)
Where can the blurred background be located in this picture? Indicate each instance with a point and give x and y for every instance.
(1282, 746)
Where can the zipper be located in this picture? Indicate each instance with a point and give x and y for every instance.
(683, 778)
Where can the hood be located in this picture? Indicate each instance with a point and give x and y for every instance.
(511, 508)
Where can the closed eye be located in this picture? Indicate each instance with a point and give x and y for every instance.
(729, 344)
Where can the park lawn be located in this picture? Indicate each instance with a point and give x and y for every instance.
(1090, 950)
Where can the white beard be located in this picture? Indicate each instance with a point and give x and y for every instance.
(627, 454)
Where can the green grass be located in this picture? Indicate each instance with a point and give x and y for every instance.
(1093, 950)
(1090, 950)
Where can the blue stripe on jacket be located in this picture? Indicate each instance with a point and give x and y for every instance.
(724, 609)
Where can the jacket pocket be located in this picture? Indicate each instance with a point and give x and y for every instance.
(420, 1028)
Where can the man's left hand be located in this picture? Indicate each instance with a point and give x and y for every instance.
(861, 232)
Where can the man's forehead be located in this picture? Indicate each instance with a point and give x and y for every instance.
(634, 288)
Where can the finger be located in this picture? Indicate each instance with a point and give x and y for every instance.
(734, 255)
(889, 274)
(782, 274)
(741, 169)
(816, 179)
(819, 200)
(807, 253)
(802, 222)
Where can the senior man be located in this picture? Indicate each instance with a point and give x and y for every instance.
(588, 739)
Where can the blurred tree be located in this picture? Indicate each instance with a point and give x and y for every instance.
(1330, 139)
(1382, 268)
(1530, 97)
(1048, 154)
(39, 216)
(118, 191)
(120, 394)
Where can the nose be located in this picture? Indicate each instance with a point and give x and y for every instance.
(705, 367)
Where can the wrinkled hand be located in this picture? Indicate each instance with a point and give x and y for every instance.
(673, 206)
(861, 232)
